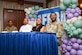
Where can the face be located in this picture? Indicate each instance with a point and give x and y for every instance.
(53, 17)
(10, 23)
(25, 21)
(38, 21)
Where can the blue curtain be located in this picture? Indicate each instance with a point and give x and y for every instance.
(32, 43)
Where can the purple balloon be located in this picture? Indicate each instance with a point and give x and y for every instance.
(63, 46)
(67, 12)
(70, 16)
(79, 41)
(79, 12)
(64, 50)
(77, 9)
(67, 53)
(79, 52)
(73, 40)
(65, 41)
(69, 48)
(73, 52)
(76, 14)
(72, 10)
(27, 17)
(69, 43)
(68, 9)
(32, 19)
(76, 46)
(80, 47)
(36, 12)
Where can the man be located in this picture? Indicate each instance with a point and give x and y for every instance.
(10, 27)
(26, 27)
(55, 27)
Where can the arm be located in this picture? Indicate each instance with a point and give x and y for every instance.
(42, 29)
(60, 31)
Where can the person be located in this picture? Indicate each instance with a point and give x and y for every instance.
(55, 27)
(10, 27)
(26, 27)
(39, 27)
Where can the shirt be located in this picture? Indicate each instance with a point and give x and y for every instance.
(37, 29)
(10, 29)
(26, 28)
(55, 27)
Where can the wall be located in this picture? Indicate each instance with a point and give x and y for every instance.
(53, 3)
(9, 5)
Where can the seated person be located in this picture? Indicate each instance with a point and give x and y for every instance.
(39, 27)
(26, 27)
(10, 27)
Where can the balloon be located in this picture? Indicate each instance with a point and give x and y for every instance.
(26, 17)
(40, 8)
(68, 9)
(62, 7)
(37, 7)
(74, 6)
(77, 9)
(72, 10)
(73, 52)
(36, 12)
(61, 1)
(73, 40)
(76, 46)
(34, 16)
(30, 15)
(67, 2)
(69, 48)
(75, 32)
(32, 19)
(29, 8)
(65, 41)
(80, 17)
(33, 7)
(73, 28)
(78, 23)
(70, 15)
(25, 9)
(80, 47)
(69, 43)
(81, 36)
(79, 52)
(74, 1)
(28, 12)
(32, 11)
(67, 53)
(79, 30)
(76, 14)
(63, 46)
(79, 41)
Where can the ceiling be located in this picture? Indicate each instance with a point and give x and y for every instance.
(42, 1)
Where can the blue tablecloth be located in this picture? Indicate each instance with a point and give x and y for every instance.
(32, 43)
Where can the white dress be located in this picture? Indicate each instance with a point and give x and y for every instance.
(26, 28)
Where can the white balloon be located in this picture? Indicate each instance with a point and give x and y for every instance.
(25, 9)
(61, 1)
(80, 17)
(28, 12)
(29, 8)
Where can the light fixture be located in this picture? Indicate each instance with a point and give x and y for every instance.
(81, 5)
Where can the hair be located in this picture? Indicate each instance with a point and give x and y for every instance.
(53, 13)
(9, 21)
(39, 18)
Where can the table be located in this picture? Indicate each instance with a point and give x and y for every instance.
(30, 43)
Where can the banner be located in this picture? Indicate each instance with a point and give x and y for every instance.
(45, 14)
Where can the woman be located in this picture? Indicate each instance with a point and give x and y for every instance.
(39, 27)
